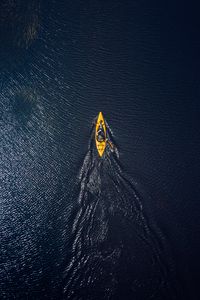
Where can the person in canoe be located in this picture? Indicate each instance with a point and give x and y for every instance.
(100, 133)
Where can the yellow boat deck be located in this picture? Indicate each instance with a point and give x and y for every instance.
(101, 145)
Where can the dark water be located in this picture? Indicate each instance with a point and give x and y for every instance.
(74, 226)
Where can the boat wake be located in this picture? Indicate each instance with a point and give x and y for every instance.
(114, 252)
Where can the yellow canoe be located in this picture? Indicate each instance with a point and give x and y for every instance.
(101, 145)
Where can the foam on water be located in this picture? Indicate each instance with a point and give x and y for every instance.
(114, 249)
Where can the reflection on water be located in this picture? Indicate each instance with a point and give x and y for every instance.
(94, 237)
(19, 22)
(114, 251)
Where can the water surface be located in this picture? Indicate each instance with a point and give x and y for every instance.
(74, 226)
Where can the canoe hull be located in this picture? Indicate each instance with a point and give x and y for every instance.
(100, 145)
